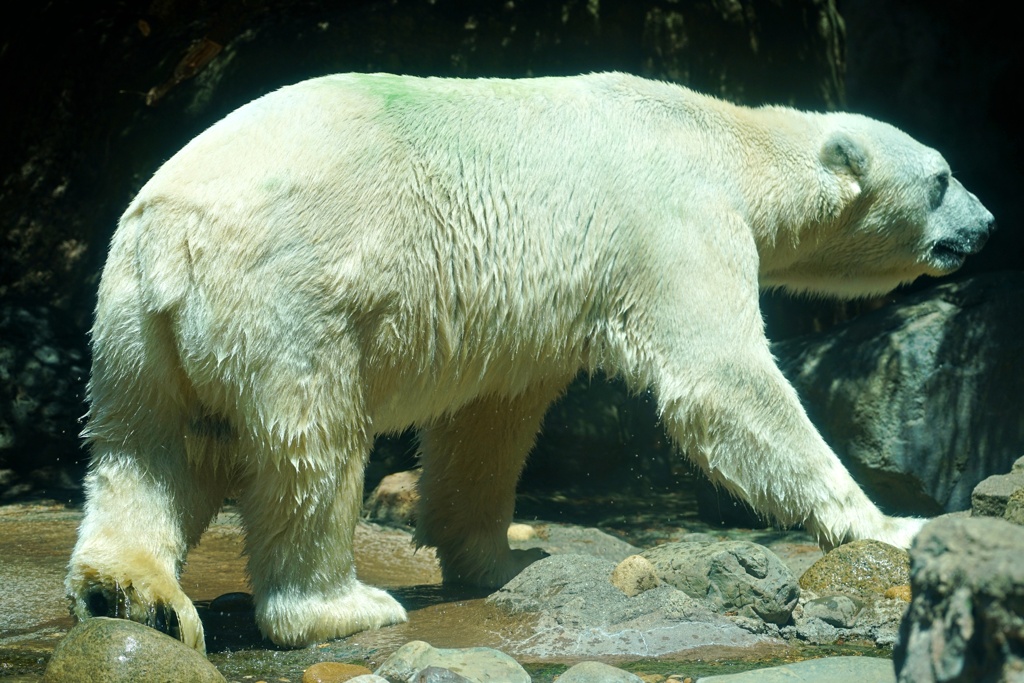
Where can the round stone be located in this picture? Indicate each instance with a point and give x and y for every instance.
(123, 651)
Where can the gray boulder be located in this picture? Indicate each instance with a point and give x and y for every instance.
(991, 498)
(731, 576)
(597, 672)
(827, 669)
(836, 610)
(580, 614)
(476, 664)
(569, 539)
(437, 674)
(913, 397)
(825, 621)
(966, 621)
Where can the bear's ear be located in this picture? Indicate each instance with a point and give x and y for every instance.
(843, 154)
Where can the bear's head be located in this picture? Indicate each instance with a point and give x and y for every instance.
(895, 213)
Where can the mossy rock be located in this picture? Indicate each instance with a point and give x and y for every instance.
(862, 569)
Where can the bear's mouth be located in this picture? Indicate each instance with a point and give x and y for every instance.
(950, 254)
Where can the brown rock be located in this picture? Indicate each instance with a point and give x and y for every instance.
(333, 672)
(634, 575)
(394, 500)
(898, 593)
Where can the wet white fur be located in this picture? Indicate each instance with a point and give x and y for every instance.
(356, 254)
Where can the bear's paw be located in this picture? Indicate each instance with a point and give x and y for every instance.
(298, 620)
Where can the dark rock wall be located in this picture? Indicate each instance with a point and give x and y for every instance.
(81, 138)
(949, 73)
(921, 399)
(97, 95)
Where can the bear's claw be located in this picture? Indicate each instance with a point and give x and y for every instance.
(124, 603)
(177, 617)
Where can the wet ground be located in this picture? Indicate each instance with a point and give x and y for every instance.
(36, 540)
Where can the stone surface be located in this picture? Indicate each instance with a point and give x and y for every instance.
(837, 610)
(368, 678)
(862, 570)
(580, 614)
(597, 672)
(731, 576)
(991, 496)
(122, 651)
(825, 621)
(634, 575)
(816, 631)
(1015, 503)
(1015, 508)
(437, 674)
(394, 500)
(559, 539)
(333, 672)
(966, 620)
(879, 621)
(477, 664)
(915, 397)
(898, 593)
(825, 670)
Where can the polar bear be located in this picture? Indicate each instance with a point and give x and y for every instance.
(356, 254)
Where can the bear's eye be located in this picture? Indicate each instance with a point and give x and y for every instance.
(939, 187)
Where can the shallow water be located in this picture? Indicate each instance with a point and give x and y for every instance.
(36, 541)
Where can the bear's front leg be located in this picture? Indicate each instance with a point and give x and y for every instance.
(300, 506)
(471, 464)
(739, 419)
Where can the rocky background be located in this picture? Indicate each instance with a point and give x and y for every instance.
(97, 95)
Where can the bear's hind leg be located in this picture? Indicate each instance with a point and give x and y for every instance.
(300, 505)
(143, 513)
(471, 465)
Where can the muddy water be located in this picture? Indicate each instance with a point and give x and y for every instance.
(384, 558)
(36, 541)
